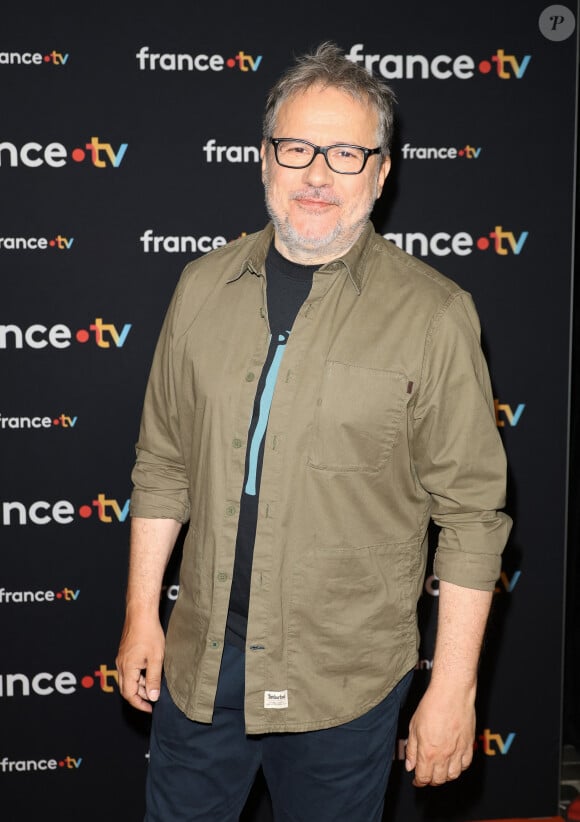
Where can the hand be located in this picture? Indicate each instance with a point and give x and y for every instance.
(140, 662)
(441, 737)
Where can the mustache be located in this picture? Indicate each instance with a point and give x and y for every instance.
(316, 194)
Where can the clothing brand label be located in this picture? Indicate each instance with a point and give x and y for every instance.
(275, 699)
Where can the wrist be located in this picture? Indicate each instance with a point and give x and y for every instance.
(455, 687)
(142, 609)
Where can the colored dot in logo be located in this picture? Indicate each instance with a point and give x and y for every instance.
(52, 243)
(485, 67)
(59, 595)
(461, 152)
(483, 243)
(46, 58)
(87, 681)
(82, 335)
(230, 62)
(85, 511)
(78, 155)
(61, 764)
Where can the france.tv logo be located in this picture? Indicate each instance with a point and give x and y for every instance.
(151, 61)
(45, 683)
(33, 58)
(8, 765)
(441, 66)
(60, 242)
(63, 512)
(39, 596)
(492, 744)
(37, 335)
(499, 240)
(96, 152)
(25, 423)
(504, 412)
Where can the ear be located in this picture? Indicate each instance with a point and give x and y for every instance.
(383, 174)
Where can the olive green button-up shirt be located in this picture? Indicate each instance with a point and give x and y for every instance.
(382, 418)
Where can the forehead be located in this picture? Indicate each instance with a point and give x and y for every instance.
(327, 115)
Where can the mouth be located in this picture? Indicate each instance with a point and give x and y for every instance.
(313, 203)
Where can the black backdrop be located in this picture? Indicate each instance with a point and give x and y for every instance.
(116, 167)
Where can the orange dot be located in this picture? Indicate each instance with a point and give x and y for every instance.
(87, 681)
(85, 511)
(230, 62)
(483, 243)
(82, 335)
(485, 67)
(78, 155)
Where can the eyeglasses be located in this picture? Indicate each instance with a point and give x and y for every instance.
(342, 158)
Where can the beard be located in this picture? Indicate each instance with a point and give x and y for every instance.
(319, 247)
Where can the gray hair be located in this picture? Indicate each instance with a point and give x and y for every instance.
(328, 66)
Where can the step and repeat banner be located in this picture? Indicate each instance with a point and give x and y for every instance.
(129, 144)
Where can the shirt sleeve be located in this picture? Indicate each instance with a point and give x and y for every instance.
(458, 454)
(160, 480)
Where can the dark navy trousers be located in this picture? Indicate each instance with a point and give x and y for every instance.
(203, 773)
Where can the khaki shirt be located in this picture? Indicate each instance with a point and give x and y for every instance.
(382, 418)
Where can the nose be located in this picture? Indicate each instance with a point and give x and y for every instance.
(318, 173)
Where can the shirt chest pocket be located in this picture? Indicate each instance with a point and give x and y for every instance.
(358, 417)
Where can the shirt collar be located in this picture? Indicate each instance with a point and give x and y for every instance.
(353, 262)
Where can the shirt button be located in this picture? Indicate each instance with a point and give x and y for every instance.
(222, 576)
(231, 510)
(237, 443)
(214, 643)
(250, 376)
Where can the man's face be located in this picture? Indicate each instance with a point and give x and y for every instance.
(319, 214)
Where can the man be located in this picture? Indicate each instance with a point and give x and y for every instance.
(316, 397)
